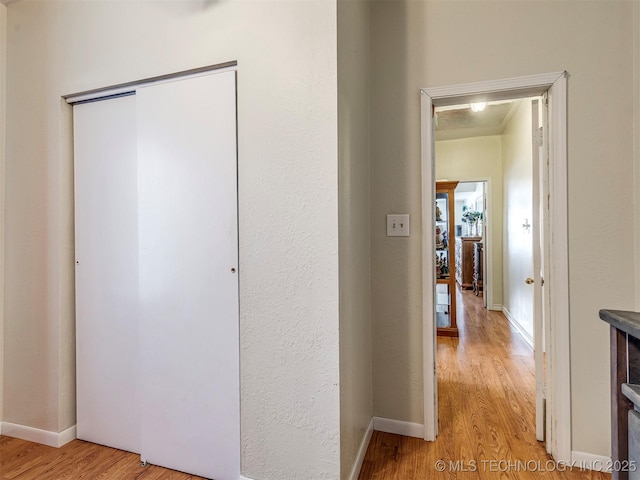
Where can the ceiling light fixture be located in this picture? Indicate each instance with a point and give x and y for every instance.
(478, 107)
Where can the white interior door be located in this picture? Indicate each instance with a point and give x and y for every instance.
(545, 240)
(538, 161)
(486, 226)
(428, 269)
(106, 226)
(188, 260)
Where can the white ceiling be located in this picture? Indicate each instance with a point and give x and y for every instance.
(467, 191)
(459, 121)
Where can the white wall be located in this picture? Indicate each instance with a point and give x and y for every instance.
(459, 204)
(518, 241)
(356, 397)
(288, 204)
(3, 104)
(412, 48)
(636, 143)
(468, 200)
(479, 158)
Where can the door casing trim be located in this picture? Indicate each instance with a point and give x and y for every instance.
(559, 385)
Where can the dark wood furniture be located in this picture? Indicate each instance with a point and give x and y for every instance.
(445, 263)
(625, 376)
(464, 260)
(478, 267)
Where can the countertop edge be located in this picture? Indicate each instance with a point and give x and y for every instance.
(626, 321)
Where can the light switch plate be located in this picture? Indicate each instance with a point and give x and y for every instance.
(398, 225)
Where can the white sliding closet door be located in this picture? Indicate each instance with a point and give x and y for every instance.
(156, 281)
(188, 255)
(106, 225)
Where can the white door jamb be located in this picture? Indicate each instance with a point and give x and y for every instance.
(559, 394)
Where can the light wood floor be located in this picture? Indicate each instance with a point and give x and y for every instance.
(486, 396)
(486, 401)
(21, 460)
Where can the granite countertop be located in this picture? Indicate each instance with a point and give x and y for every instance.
(628, 322)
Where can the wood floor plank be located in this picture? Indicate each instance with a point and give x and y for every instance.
(78, 460)
(486, 401)
(486, 382)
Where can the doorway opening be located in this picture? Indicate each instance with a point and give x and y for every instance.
(551, 220)
(472, 227)
(475, 146)
(460, 256)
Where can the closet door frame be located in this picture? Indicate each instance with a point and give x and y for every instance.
(232, 453)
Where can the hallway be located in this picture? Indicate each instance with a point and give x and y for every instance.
(486, 397)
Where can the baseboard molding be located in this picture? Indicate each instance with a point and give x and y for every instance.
(362, 451)
(67, 436)
(495, 308)
(525, 335)
(398, 427)
(589, 461)
(45, 437)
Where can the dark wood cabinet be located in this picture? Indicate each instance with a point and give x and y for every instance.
(625, 389)
(444, 254)
(464, 260)
(478, 267)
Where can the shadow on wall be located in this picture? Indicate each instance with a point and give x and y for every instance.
(396, 188)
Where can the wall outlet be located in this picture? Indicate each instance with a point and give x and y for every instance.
(398, 225)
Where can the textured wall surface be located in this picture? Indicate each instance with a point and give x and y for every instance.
(287, 88)
(356, 397)
(413, 48)
(33, 240)
(3, 104)
(479, 158)
(288, 204)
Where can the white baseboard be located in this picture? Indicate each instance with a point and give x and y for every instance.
(495, 308)
(398, 427)
(589, 461)
(362, 451)
(45, 437)
(523, 333)
(67, 436)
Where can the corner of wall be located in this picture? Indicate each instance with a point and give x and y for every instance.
(636, 146)
(3, 123)
(354, 185)
(67, 326)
